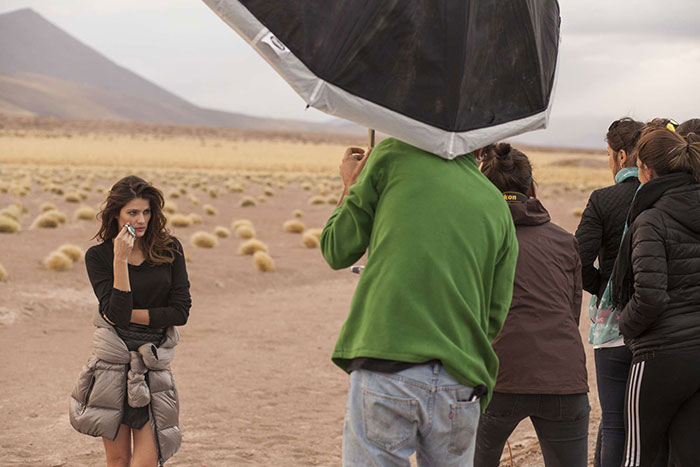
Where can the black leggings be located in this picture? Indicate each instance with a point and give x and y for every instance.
(663, 396)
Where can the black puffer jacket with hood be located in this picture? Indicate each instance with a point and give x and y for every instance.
(664, 312)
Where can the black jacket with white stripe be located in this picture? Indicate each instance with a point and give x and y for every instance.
(664, 312)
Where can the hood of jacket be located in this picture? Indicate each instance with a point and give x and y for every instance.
(530, 212)
(683, 205)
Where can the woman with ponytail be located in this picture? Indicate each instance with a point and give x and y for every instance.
(599, 234)
(542, 364)
(656, 285)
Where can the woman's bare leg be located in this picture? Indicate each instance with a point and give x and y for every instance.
(119, 451)
(145, 452)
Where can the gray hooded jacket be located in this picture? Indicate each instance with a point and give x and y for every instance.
(113, 373)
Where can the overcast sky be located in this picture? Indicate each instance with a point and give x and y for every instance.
(638, 57)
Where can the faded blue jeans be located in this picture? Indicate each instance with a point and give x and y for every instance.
(421, 409)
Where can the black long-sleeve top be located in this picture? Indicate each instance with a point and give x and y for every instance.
(163, 289)
(600, 231)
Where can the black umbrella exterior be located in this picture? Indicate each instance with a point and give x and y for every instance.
(448, 76)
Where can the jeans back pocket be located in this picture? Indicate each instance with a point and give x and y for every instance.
(464, 416)
(389, 421)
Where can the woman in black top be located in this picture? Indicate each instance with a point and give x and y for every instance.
(656, 284)
(599, 234)
(140, 279)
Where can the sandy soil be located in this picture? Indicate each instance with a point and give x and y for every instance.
(253, 367)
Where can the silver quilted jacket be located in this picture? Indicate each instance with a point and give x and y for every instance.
(113, 373)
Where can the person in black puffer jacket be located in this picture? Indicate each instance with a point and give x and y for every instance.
(599, 234)
(656, 284)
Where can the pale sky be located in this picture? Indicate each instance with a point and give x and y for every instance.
(637, 58)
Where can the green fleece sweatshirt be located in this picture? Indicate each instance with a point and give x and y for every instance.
(439, 275)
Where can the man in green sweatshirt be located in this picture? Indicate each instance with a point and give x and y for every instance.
(434, 294)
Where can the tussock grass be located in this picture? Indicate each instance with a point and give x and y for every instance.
(74, 252)
(298, 213)
(262, 198)
(269, 192)
(306, 186)
(170, 207)
(315, 232)
(222, 232)
(196, 218)
(240, 222)
(180, 220)
(194, 200)
(248, 201)
(263, 262)
(12, 211)
(245, 231)
(73, 197)
(47, 207)
(310, 240)
(578, 212)
(317, 200)
(47, 220)
(58, 261)
(251, 246)
(294, 226)
(332, 199)
(3, 273)
(85, 213)
(210, 210)
(8, 225)
(204, 240)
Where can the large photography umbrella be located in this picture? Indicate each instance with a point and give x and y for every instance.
(447, 76)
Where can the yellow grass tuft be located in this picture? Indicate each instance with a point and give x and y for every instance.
(180, 220)
(3, 273)
(47, 207)
(73, 197)
(317, 200)
(245, 231)
(262, 198)
(315, 232)
(194, 200)
(332, 199)
(298, 213)
(247, 201)
(269, 191)
(263, 262)
(196, 218)
(310, 240)
(58, 215)
(47, 220)
(251, 246)
(72, 251)
(294, 226)
(209, 209)
(204, 240)
(222, 232)
(8, 224)
(57, 261)
(13, 212)
(577, 212)
(240, 222)
(170, 207)
(85, 213)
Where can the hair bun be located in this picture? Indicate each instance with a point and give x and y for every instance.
(503, 151)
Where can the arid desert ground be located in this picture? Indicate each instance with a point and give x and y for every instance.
(253, 368)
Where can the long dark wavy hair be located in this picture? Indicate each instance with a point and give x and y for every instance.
(157, 242)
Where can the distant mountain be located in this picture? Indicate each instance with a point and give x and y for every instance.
(45, 71)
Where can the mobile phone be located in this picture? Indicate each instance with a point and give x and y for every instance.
(131, 230)
(357, 269)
